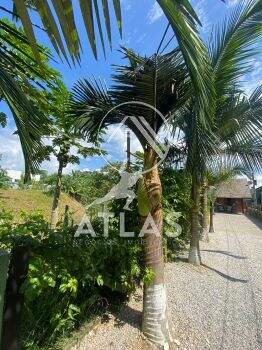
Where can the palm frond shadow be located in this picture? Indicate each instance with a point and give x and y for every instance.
(224, 275)
(225, 253)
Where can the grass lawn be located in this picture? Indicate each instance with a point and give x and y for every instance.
(33, 200)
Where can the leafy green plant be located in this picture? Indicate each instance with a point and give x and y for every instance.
(68, 277)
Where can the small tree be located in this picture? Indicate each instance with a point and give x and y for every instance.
(66, 146)
(5, 180)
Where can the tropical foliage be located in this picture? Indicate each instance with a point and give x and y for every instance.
(20, 82)
(197, 88)
(69, 279)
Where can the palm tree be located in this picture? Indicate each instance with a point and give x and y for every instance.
(230, 52)
(213, 180)
(181, 17)
(161, 82)
(240, 147)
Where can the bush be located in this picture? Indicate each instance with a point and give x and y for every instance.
(177, 204)
(69, 278)
(5, 181)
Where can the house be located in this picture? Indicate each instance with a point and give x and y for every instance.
(234, 196)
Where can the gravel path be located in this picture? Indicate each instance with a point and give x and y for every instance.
(217, 306)
(118, 332)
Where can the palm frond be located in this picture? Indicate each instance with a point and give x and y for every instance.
(65, 15)
(29, 129)
(182, 18)
(141, 87)
(19, 72)
(249, 154)
(232, 45)
(89, 105)
(241, 117)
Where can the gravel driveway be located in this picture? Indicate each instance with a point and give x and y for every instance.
(217, 306)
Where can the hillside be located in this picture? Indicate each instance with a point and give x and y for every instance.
(33, 200)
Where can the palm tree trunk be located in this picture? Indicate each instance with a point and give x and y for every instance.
(55, 205)
(194, 256)
(211, 221)
(155, 321)
(204, 236)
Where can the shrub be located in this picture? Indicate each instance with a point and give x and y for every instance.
(177, 204)
(69, 277)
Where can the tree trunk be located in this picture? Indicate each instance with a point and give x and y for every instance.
(55, 205)
(194, 256)
(204, 223)
(155, 321)
(211, 223)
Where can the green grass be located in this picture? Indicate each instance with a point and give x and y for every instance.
(29, 201)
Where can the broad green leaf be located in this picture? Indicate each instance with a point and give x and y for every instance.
(195, 55)
(99, 26)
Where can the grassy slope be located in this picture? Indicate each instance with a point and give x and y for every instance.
(33, 200)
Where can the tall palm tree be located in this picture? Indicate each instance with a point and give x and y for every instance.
(161, 82)
(179, 13)
(230, 51)
(240, 147)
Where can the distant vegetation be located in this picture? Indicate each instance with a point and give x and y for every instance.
(31, 200)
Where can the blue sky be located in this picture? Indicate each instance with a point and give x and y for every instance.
(143, 27)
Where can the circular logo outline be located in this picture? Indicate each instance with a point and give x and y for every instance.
(145, 105)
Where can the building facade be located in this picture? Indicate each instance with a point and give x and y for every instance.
(234, 196)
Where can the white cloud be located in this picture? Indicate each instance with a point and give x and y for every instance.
(52, 166)
(13, 159)
(154, 13)
(258, 177)
(115, 143)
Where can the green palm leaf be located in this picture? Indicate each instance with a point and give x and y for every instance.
(29, 129)
(183, 21)
(17, 68)
(65, 15)
(232, 45)
(159, 81)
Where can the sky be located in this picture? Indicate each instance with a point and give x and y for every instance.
(143, 27)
